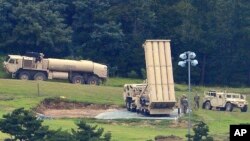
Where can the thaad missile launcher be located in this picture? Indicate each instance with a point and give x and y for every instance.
(156, 96)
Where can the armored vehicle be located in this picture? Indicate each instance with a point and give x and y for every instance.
(156, 96)
(33, 66)
(224, 101)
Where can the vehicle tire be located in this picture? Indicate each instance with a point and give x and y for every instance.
(229, 107)
(40, 76)
(93, 80)
(77, 79)
(128, 105)
(24, 75)
(208, 105)
(145, 112)
(244, 109)
(133, 109)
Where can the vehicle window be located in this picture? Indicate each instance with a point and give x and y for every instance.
(235, 96)
(228, 96)
(7, 59)
(12, 61)
(241, 96)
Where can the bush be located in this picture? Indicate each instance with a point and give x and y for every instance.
(23, 125)
(132, 74)
(87, 132)
(200, 133)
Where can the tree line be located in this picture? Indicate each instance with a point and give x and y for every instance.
(113, 31)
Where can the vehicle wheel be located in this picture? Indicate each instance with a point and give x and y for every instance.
(229, 107)
(24, 75)
(40, 76)
(244, 109)
(133, 109)
(77, 79)
(93, 80)
(128, 105)
(145, 112)
(208, 105)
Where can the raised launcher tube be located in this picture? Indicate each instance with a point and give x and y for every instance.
(160, 82)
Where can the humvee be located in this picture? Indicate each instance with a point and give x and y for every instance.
(224, 101)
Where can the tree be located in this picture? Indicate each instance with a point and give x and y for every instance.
(22, 125)
(33, 26)
(200, 132)
(87, 132)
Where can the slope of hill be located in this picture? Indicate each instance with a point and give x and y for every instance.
(16, 93)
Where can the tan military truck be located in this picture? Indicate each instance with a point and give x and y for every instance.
(33, 66)
(224, 101)
(156, 96)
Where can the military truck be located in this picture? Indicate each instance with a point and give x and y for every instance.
(156, 95)
(33, 66)
(224, 101)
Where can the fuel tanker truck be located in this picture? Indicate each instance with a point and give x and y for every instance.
(155, 96)
(32, 66)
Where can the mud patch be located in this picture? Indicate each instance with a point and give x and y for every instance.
(61, 108)
(168, 138)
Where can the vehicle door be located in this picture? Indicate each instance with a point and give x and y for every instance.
(220, 100)
(213, 99)
(11, 65)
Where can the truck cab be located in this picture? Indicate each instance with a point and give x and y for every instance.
(12, 63)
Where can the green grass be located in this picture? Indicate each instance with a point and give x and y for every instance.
(16, 93)
(119, 82)
(121, 131)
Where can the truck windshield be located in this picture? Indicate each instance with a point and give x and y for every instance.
(7, 59)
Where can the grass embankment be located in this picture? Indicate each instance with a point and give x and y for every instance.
(16, 93)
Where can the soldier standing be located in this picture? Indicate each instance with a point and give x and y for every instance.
(196, 101)
(184, 104)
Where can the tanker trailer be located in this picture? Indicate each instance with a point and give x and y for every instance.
(156, 96)
(35, 67)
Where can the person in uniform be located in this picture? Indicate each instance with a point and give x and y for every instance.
(196, 101)
(184, 104)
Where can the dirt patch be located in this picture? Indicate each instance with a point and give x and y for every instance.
(168, 138)
(178, 124)
(61, 108)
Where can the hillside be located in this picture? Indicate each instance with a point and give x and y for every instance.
(16, 93)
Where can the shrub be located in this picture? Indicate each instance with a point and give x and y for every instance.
(132, 74)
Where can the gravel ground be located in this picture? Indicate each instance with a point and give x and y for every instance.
(124, 114)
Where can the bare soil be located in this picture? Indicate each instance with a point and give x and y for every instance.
(60, 108)
(168, 138)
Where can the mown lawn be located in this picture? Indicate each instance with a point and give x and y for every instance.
(16, 93)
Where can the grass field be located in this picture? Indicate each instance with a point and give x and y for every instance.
(16, 93)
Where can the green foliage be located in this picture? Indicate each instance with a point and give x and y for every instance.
(21, 124)
(35, 26)
(200, 133)
(87, 132)
(60, 135)
(143, 73)
(112, 32)
(132, 74)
